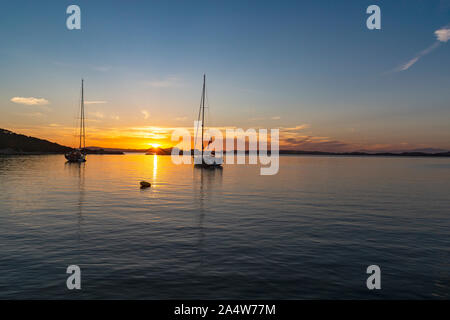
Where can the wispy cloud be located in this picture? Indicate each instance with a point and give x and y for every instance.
(312, 143)
(97, 115)
(95, 102)
(296, 128)
(164, 83)
(33, 114)
(411, 62)
(295, 138)
(442, 35)
(262, 118)
(30, 101)
(145, 113)
(256, 119)
(408, 64)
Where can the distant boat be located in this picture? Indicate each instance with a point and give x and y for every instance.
(212, 162)
(79, 155)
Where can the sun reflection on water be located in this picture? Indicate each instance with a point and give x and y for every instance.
(155, 166)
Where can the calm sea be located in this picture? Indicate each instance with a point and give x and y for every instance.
(308, 232)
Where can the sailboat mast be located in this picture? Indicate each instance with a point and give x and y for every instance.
(82, 108)
(81, 115)
(203, 111)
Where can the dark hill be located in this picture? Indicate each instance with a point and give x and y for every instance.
(13, 143)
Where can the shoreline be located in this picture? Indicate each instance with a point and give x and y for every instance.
(39, 153)
(380, 155)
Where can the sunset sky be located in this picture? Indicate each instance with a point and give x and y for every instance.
(310, 68)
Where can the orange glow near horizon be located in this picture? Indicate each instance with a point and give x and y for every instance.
(147, 137)
(120, 138)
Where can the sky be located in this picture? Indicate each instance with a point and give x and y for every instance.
(312, 69)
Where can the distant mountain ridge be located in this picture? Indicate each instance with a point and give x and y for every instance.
(13, 143)
(93, 148)
(324, 153)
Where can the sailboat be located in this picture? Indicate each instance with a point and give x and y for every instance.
(207, 161)
(79, 155)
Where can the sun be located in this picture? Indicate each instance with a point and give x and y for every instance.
(154, 145)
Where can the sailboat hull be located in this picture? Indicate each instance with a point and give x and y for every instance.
(208, 162)
(208, 166)
(75, 156)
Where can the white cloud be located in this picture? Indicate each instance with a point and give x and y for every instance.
(145, 113)
(95, 102)
(443, 34)
(276, 118)
(181, 118)
(31, 101)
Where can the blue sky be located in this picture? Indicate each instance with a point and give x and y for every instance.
(310, 68)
